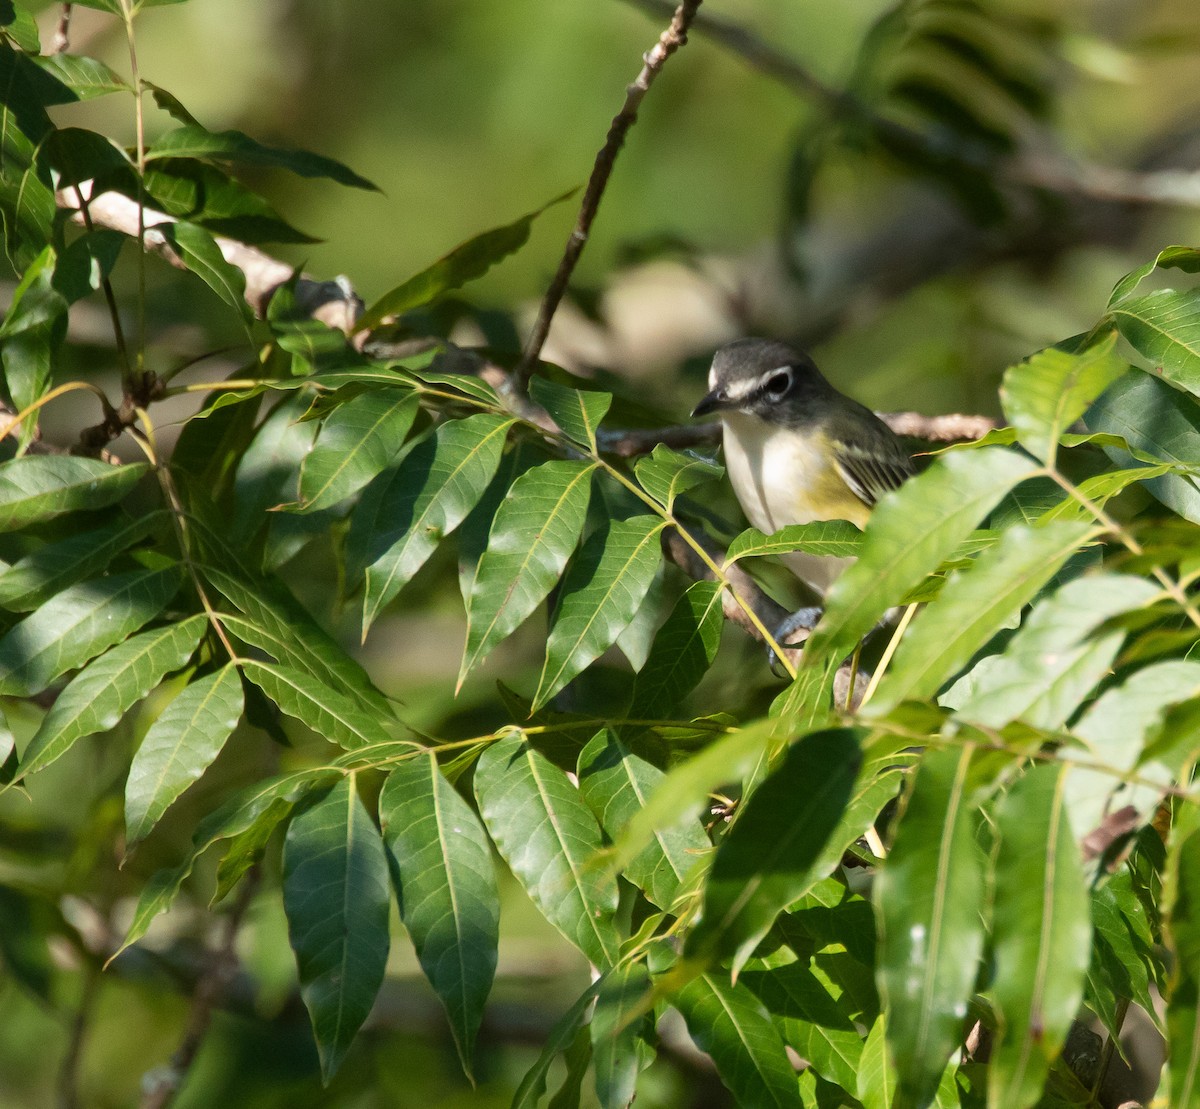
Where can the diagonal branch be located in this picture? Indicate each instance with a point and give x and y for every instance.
(669, 41)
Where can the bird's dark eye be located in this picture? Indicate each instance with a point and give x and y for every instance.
(778, 384)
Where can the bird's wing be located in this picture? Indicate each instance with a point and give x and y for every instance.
(872, 471)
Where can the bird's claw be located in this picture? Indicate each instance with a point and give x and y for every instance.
(803, 619)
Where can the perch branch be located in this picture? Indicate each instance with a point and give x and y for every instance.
(669, 41)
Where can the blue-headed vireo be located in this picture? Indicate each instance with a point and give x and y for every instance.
(796, 449)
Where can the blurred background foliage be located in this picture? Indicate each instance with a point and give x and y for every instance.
(739, 206)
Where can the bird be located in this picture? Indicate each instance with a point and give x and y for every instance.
(798, 451)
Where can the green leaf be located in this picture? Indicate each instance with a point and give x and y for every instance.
(1182, 896)
(1115, 730)
(232, 819)
(335, 895)
(1056, 658)
(876, 1075)
(1184, 258)
(320, 707)
(198, 251)
(549, 839)
(562, 1036)
(928, 896)
(975, 604)
(278, 624)
(86, 77)
(407, 511)
(681, 796)
(1044, 395)
(732, 1025)
(100, 694)
(615, 783)
(1041, 934)
(765, 861)
(78, 624)
(577, 412)
(910, 533)
(1157, 421)
(1123, 952)
(188, 734)
(666, 473)
(40, 487)
(246, 849)
(41, 574)
(1165, 328)
(234, 146)
(464, 263)
(441, 865)
(836, 538)
(356, 441)
(619, 1021)
(606, 583)
(683, 650)
(535, 531)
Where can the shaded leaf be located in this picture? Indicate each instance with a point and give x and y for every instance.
(199, 252)
(616, 1028)
(615, 782)
(602, 590)
(766, 860)
(535, 531)
(179, 746)
(549, 839)
(441, 865)
(683, 650)
(533, 1086)
(78, 624)
(1184, 258)
(666, 473)
(1183, 937)
(335, 894)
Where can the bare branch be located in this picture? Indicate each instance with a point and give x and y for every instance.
(62, 33)
(669, 41)
(333, 302)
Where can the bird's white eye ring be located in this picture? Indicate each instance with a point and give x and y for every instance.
(778, 384)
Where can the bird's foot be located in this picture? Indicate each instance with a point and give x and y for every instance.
(785, 635)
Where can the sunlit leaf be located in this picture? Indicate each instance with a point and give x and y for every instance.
(602, 590)
(464, 263)
(1049, 391)
(407, 511)
(974, 604)
(536, 528)
(927, 897)
(666, 473)
(441, 865)
(733, 1027)
(188, 734)
(836, 538)
(40, 487)
(1041, 935)
(78, 624)
(1164, 327)
(549, 839)
(1184, 258)
(910, 533)
(577, 412)
(100, 694)
(356, 441)
(336, 895)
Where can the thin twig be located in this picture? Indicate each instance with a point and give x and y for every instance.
(669, 41)
(68, 1071)
(162, 1086)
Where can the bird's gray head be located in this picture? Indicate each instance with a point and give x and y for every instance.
(763, 378)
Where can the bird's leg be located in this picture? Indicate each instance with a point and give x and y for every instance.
(803, 619)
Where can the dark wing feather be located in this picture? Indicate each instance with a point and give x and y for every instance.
(872, 468)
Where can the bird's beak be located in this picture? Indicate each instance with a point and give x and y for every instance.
(715, 401)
